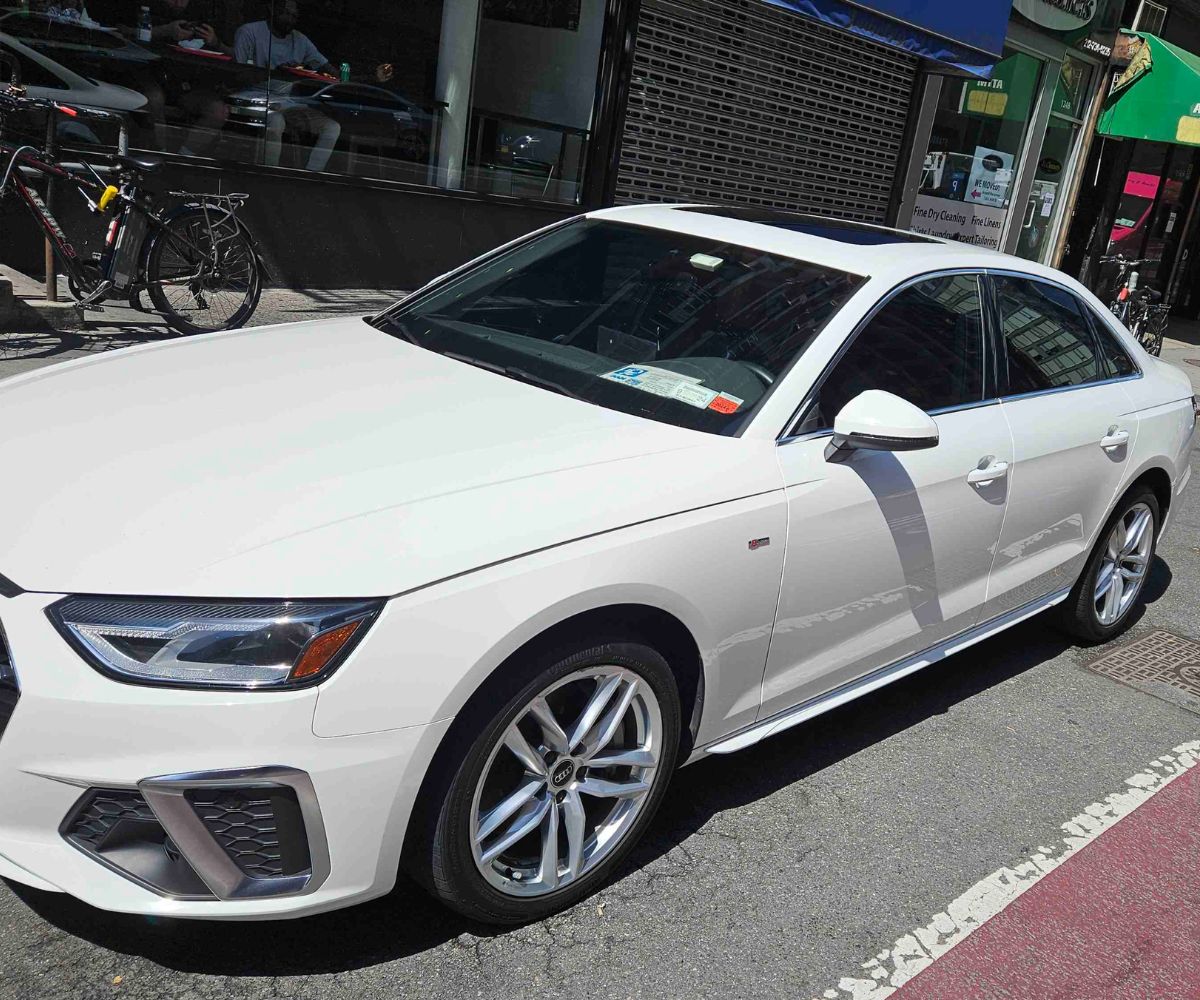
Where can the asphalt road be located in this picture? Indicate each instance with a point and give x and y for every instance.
(771, 872)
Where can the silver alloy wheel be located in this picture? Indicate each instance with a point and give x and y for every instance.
(1124, 565)
(566, 781)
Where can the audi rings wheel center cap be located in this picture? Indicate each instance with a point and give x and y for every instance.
(562, 773)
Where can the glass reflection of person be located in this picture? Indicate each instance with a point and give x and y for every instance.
(275, 43)
(205, 111)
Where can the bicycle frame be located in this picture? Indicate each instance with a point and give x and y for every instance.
(120, 262)
(19, 157)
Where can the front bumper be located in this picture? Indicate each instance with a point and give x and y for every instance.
(75, 731)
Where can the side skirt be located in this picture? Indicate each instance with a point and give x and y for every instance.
(878, 678)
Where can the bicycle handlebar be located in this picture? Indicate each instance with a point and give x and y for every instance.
(1117, 258)
(20, 101)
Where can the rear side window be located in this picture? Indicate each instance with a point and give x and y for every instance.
(1120, 364)
(1048, 339)
(924, 345)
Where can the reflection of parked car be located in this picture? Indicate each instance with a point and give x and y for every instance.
(49, 80)
(369, 115)
(85, 48)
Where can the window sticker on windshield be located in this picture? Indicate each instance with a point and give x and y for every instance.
(725, 403)
(661, 382)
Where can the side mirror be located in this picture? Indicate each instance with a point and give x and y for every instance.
(880, 421)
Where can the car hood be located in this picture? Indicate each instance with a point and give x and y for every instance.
(320, 459)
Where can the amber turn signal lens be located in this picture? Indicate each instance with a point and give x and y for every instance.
(322, 650)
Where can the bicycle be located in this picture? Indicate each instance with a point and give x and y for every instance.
(196, 260)
(1140, 309)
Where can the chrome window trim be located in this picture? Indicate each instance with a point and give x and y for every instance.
(941, 411)
(1069, 388)
(989, 353)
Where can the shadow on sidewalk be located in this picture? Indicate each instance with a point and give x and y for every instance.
(53, 343)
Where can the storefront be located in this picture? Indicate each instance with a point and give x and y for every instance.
(1147, 169)
(383, 143)
(792, 104)
(1002, 156)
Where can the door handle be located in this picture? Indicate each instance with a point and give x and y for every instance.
(1114, 439)
(988, 474)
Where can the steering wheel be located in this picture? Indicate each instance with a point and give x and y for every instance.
(766, 377)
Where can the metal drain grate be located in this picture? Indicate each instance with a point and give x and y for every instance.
(1156, 658)
(1193, 361)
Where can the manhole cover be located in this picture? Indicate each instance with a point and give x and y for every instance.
(1158, 657)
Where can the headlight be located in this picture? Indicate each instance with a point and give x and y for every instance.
(213, 644)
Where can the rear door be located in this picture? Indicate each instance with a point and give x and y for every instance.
(1073, 428)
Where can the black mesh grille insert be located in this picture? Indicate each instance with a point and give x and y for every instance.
(261, 829)
(103, 811)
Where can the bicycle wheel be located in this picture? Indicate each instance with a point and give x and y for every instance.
(202, 273)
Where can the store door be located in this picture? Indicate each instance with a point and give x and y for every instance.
(1043, 209)
(975, 149)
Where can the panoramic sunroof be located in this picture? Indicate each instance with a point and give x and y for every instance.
(814, 225)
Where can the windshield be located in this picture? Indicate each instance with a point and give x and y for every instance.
(684, 329)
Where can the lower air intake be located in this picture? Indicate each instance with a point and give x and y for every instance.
(117, 828)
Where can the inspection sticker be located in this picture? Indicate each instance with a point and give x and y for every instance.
(725, 403)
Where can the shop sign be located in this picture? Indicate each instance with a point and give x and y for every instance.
(1057, 15)
(1008, 94)
(979, 225)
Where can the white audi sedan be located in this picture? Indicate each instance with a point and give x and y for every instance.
(455, 588)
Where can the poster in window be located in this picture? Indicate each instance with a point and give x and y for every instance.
(539, 13)
(991, 175)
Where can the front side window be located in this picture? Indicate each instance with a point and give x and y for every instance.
(684, 329)
(1047, 337)
(924, 345)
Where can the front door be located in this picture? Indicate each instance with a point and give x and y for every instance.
(889, 553)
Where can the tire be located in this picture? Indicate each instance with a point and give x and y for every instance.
(223, 300)
(1083, 615)
(514, 886)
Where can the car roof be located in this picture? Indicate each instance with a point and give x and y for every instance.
(855, 247)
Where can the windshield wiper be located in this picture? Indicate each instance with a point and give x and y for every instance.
(517, 374)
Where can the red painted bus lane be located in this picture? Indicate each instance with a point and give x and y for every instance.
(1118, 920)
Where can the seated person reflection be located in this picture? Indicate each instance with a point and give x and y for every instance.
(203, 109)
(275, 43)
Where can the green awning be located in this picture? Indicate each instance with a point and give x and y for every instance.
(1157, 97)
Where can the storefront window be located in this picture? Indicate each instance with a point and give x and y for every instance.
(975, 147)
(487, 95)
(535, 81)
(1046, 198)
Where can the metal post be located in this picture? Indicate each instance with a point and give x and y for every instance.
(51, 274)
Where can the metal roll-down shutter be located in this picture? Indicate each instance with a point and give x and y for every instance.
(738, 102)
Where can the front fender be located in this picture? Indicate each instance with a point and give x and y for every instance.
(431, 649)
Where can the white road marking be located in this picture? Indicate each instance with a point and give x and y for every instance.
(892, 968)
